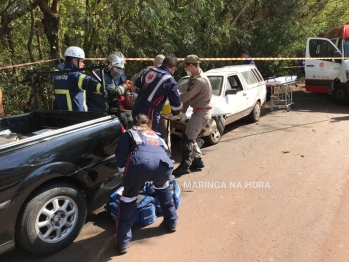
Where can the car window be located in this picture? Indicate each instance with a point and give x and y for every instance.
(183, 84)
(257, 75)
(321, 48)
(235, 83)
(216, 83)
(249, 77)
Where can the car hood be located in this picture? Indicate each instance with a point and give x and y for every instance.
(219, 107)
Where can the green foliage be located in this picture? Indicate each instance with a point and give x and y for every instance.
(140, 28)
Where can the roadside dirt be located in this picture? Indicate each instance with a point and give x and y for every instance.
(276, 190)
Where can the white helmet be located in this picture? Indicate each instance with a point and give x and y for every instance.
(74, 51)
(117, 59)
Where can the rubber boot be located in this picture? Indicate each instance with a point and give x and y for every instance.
(182, 169)
(197, 164)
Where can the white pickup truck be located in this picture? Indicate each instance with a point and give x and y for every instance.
(237, 91)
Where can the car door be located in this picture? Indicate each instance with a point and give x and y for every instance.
(237, 101)
(252, 90)
(319, 73)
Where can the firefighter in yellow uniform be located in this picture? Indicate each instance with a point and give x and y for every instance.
(70, 87)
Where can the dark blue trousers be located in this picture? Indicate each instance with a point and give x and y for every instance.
(133, 181)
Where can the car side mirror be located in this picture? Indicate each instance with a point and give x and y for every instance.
(231, 92)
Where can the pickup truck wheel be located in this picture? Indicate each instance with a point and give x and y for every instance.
(213, 138)
(51, 220)
(255, 113)
(340, 95)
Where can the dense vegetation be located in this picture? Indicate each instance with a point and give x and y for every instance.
(33, 30)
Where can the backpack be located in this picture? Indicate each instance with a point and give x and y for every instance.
(149, 190)
(145, 214)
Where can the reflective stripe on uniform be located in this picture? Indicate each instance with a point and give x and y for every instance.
(67, 95)
(136, 137)
(175, 108)
(85, 105)
(128, 199)
(98, 89)
(165, 145)
(81, 81)
(165, 77)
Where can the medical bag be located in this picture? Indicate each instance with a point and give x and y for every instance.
(145, 214)
(149, 190)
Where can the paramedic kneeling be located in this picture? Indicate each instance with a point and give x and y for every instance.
(141, 156)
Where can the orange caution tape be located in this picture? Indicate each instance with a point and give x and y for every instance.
(27, 64)
(201, 59)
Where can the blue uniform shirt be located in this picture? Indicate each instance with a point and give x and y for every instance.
(156, 85)
(144, 153)
(95, 102)
(69, 89)
(247, 62)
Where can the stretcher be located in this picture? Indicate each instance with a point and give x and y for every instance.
(281, 92)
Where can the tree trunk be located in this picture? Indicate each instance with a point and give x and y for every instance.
(51, 25)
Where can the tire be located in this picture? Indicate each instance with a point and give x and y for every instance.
(340, 95)
(213, 138)
(51, 219)
(255, 113)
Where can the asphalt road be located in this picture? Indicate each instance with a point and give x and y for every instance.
(272, 191)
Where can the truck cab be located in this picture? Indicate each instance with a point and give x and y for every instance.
(327, 64)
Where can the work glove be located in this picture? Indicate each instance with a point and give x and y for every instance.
(114, 93)
(128, 84)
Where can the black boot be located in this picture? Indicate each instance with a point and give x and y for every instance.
(197, 164)
(182, 169)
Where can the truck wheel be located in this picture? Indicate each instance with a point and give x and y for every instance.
(51, 219)
(213, 138)
(255, 113)
(340, 95)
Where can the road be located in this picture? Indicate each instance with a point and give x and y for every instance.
(272, 191)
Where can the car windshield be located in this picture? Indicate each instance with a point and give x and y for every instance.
(216, 83)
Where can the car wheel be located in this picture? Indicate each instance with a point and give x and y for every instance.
(255, 113)
(340, 96)
(214, 137)
(51, 219)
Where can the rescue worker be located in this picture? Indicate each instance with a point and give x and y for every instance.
(141, 156)
(114, 76)
(70, 87)
(244, 54)
(198, 96)
(157, 62)
(155, 86)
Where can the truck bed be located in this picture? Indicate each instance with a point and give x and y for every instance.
(40, 121)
